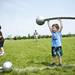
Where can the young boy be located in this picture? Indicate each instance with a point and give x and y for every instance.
(56, 42)
(1, 43)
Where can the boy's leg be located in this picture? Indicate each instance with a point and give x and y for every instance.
(54, 59)
(59, 53)
(53, 56)
(60, 60)
(53, 62)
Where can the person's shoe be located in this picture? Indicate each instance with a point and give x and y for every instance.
(53, 64)
(59, 65)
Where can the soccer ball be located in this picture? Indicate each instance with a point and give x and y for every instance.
(7, 66)
(40, 20)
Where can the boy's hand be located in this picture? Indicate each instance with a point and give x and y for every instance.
(60, 20)
(61, 25)
(50, 28)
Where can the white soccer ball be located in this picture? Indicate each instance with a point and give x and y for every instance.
(7, 66)
(40, 20)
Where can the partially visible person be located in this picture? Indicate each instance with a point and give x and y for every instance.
(1, 43)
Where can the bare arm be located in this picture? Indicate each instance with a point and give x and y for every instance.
(61, 25)
(1, 36)
(50, 28)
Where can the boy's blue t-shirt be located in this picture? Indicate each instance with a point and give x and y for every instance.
(56, 39)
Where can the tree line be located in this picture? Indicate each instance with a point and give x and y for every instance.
(39, 36)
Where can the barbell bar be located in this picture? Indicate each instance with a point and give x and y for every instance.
(41, 20)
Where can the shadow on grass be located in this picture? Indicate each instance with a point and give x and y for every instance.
(43, 63)
(38, 62)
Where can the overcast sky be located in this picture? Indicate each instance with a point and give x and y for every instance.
(18, 17)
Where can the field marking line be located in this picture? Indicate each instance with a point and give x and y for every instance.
(35, 69)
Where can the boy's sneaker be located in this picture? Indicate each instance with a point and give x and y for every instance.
(53, 64)
(59, 65)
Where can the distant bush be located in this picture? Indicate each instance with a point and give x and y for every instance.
(39, 36)
(68, 35)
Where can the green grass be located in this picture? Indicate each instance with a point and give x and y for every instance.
(24, 53)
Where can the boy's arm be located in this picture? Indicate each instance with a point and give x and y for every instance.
(61, 25)
(50, 28)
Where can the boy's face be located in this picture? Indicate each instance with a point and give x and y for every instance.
(54, 29)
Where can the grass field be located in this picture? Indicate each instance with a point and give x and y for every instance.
(26, 53)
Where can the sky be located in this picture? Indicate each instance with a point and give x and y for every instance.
(18, 17)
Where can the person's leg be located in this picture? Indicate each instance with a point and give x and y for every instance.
(60, 60)
(54, 59)
(1, 51)
(53, 56)
(59, 53)
(0, 48)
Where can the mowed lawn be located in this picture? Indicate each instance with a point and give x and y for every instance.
(25, 53)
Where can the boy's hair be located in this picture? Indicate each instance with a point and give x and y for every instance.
(56, 25)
